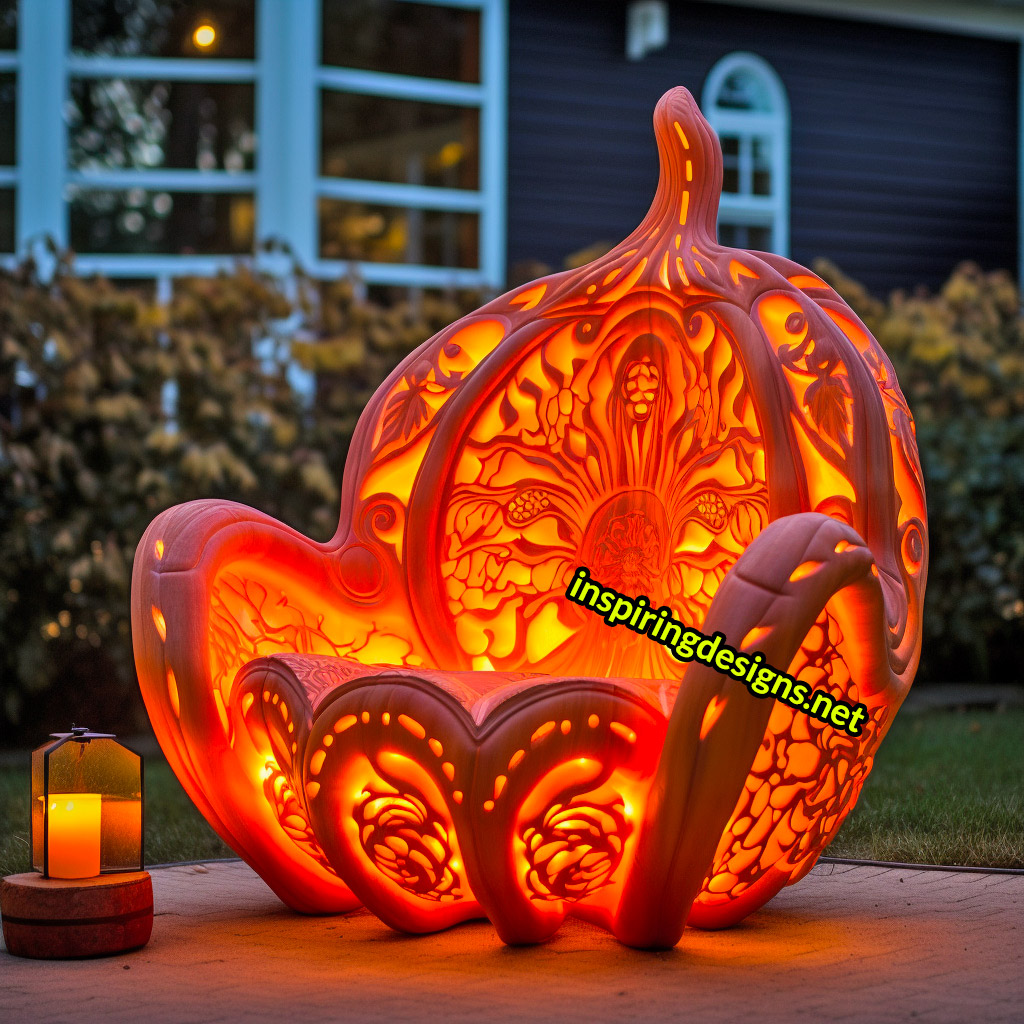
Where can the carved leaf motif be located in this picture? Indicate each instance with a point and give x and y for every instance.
(405, 413)
(825, 399)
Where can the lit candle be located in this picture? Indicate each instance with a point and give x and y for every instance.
(73, 835)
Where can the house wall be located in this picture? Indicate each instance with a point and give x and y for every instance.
(903, 141)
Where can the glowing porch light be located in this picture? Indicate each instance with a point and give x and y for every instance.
(204, 36)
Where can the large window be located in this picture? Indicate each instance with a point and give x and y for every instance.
(160, 129)
(406, 176)
(164, 137)
(746, 105)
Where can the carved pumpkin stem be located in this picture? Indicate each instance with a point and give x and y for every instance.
(690, 178)
(675, 245)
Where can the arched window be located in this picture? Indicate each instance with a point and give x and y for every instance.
(745, 102)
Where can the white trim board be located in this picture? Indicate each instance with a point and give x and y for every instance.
(976, 17)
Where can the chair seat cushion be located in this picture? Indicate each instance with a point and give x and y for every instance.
(314, 679)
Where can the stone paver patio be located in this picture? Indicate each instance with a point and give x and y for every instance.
(846, 944)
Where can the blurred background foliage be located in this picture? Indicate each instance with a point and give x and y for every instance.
(959, 357)
(113, 408)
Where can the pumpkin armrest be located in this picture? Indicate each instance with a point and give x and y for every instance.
(767, 603)
(215, 585)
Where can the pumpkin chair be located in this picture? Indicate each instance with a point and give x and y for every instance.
(414, 717)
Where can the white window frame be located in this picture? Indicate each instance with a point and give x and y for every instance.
(286, 184)
(771, 211)
(9, 174)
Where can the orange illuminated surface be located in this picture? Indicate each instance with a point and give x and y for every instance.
(73, 835)
(412, 717)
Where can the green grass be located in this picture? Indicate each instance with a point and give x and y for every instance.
(175, 830)
(947, 788)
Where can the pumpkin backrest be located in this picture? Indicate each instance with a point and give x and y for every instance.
(645, 416)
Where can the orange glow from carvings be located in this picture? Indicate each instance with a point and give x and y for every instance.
(414, 705)
(159, 622)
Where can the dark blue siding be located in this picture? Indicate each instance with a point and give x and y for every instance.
(903, 142)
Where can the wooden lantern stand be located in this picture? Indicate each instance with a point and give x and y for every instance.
(67, 918)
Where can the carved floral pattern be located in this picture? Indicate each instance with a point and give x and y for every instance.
(407, 844)
(574, 849)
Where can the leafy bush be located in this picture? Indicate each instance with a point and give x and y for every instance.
(91, 450)
(959, 356)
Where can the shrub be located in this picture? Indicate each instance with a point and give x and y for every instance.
(959, 356)
(91, 450)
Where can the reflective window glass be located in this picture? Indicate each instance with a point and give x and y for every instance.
(744, 90)
(137, 124)
(730, 163)
(746, 236)
(6, 220)
(164, 28)
(402, 38)
(762, 169)
(138, 220)
(399, 140)
(386, 234)
(8, 24)
(8, 94)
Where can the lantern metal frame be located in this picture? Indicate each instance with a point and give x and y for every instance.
(80, 734)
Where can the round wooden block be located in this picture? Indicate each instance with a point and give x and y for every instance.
(62, 918)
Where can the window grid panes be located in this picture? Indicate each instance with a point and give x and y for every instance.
(165, 104)
(427, 136)
(128, 128)
(746, 164)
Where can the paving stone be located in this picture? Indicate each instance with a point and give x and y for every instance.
(846, 944)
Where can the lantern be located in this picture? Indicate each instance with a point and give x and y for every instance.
(414, 717)
(86, 806)
(89, 894)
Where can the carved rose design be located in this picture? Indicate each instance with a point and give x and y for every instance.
(574, 849)
(407, 844)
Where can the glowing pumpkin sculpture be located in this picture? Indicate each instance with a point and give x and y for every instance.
(413, 716)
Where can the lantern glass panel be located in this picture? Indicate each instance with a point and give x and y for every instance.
(38, 795)
(100, 770)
